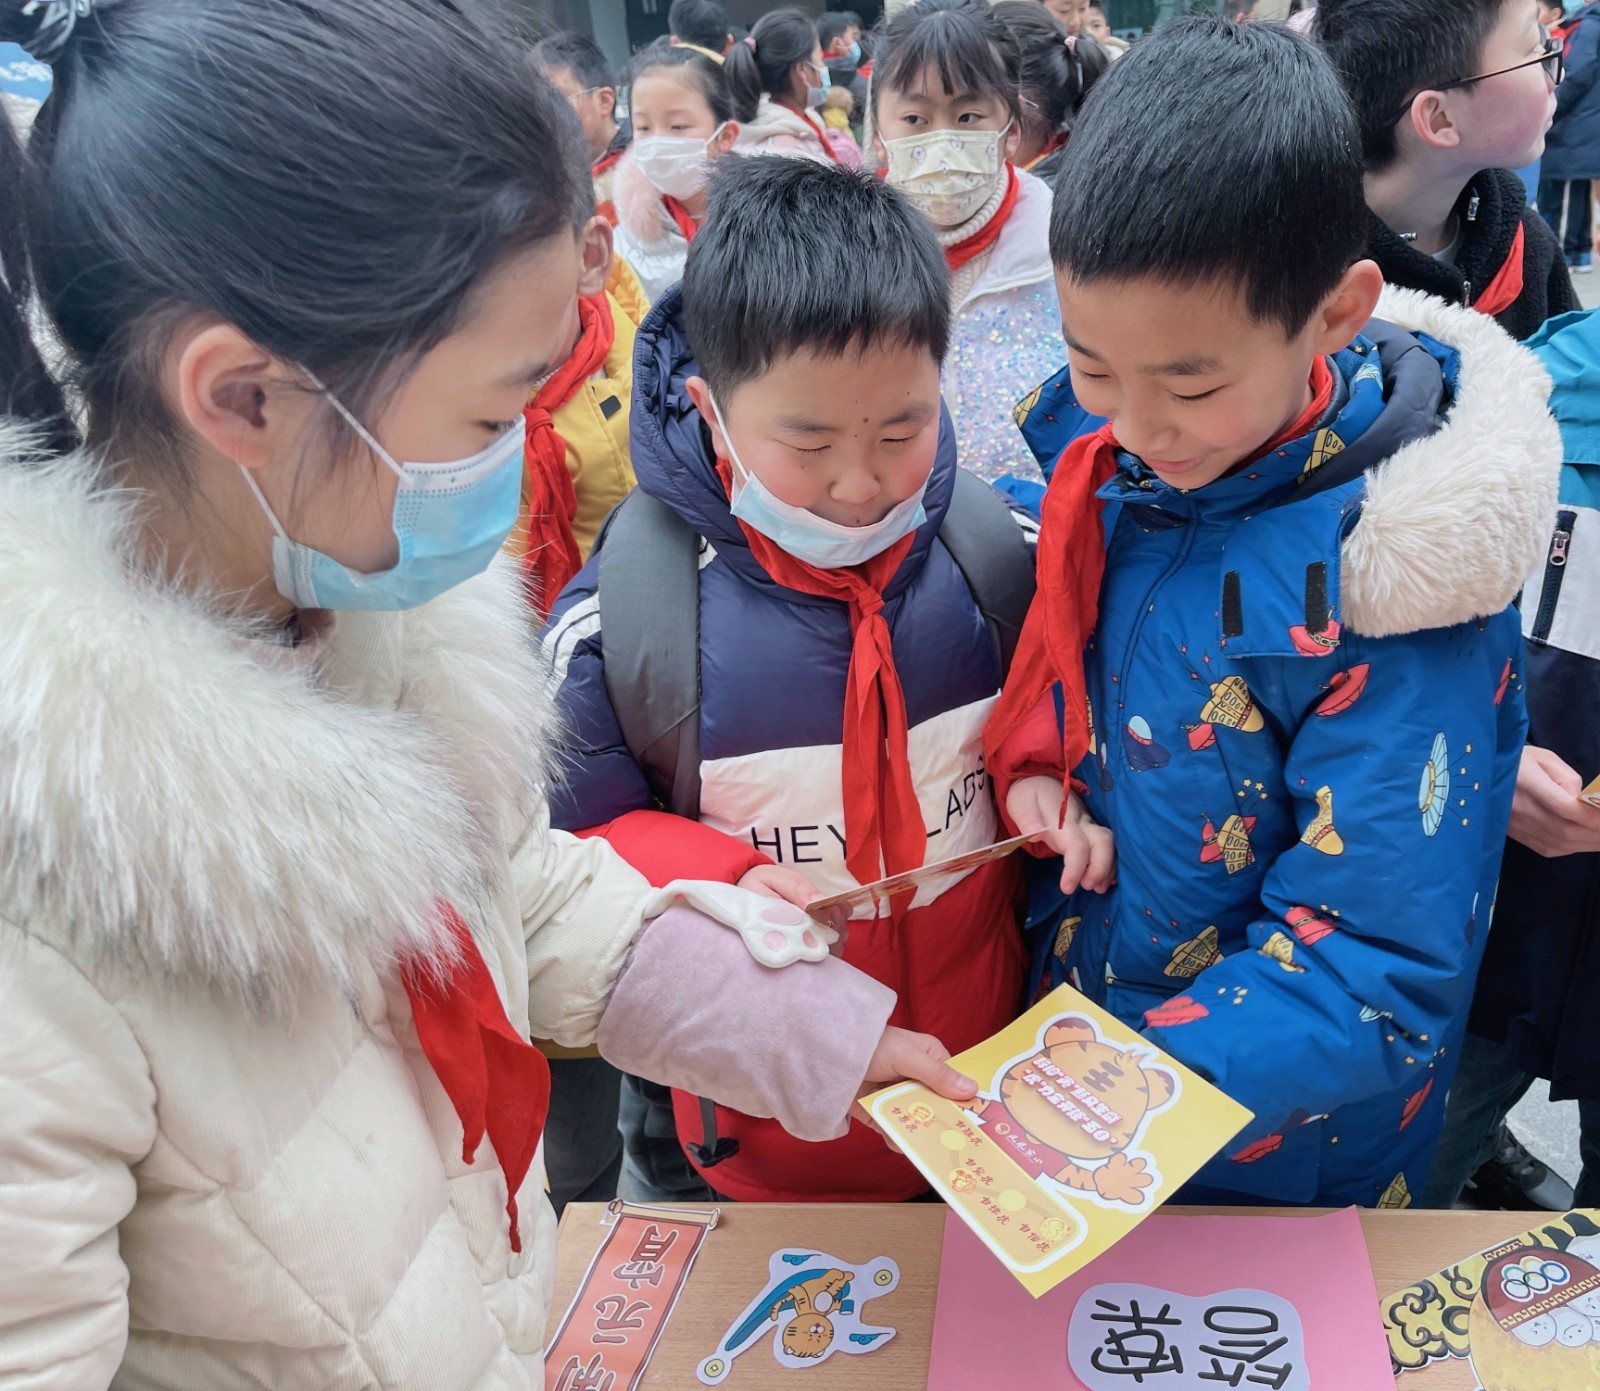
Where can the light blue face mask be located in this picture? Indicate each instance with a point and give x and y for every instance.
(805, 535)
(449, 519)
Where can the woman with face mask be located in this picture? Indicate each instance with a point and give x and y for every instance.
(280, 906)
(778, 80)
(682, 116)
(947, 114)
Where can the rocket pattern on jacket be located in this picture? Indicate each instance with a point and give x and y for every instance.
(1307, 702)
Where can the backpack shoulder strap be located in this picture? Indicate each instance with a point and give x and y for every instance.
(987, 545)
(649, 592)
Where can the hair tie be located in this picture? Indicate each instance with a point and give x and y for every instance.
(750, 42)
(58, 19)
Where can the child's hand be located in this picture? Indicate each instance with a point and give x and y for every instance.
(1547, 815)
(917, 1058)
(774, 881)
(1088, 853)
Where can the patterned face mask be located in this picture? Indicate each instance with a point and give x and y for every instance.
(948, 174)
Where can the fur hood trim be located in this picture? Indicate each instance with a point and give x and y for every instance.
(1453, 524)
(181, 795)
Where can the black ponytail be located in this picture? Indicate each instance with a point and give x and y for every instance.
(1056, 72)
(27, 390)
(764, 62)
(333, 177)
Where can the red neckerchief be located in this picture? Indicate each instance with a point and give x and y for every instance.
(498, 1082)
(1071, 563)
(551, 558)
(883, 828)
(680, 214)
(986, 236)
(606, 163)
(1057, 141)
(1506, 287)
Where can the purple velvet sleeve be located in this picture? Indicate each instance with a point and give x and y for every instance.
(694, 1010)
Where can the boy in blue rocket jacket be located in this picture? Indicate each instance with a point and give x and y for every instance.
(1272, 639)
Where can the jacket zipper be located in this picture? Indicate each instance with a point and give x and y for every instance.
(1555, 570)
(1145, 607)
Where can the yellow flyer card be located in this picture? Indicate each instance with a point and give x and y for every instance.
(1080, 1130)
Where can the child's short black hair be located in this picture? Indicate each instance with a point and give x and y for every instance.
(831, 26)
(795, 254)
(579, 55)
(1387, 51)
(961, 40)
(702, 22)
(1246, 170)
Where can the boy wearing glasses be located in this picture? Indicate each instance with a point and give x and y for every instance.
(1453, 98)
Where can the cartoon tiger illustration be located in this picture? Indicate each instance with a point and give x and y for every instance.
(1074, 1110)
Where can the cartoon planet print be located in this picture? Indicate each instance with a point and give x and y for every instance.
(1139, 745)
(1232, 706)
(1535, 1321)
(1344, 690)
(1259, 1149)
(1315, 642)
(1201, 736)
(1307, 927)
(1434, 791)
(1415, 1103)
(1194, 956)
(1280, 947)
(1181, 1009)
(1229, 842)
(1320, 834)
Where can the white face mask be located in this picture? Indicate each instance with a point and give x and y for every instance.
(805, 535)
(678, 165)
(948, 174)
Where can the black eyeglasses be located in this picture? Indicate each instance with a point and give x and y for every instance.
(1552, 58)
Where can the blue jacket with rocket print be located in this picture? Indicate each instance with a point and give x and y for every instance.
(1306, 689)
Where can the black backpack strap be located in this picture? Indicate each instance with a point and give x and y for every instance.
(649, 592)
(989, 549)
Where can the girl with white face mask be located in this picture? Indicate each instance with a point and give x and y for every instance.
(682, 118)
(947, 121)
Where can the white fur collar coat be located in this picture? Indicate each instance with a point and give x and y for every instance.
(224, 1161)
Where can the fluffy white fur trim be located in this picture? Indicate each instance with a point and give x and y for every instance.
(178, 794)
(1454, 524)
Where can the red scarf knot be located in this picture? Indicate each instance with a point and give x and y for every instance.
(498, 1082)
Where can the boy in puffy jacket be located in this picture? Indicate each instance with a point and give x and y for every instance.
(1273, 643)
(787, 414)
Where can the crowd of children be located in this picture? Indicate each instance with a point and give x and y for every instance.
(488, 542)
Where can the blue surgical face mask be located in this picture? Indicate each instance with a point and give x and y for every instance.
(805, 535)
(449, 519)
(815, 96)
(855, 54)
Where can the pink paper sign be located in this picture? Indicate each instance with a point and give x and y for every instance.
(1306, 1283)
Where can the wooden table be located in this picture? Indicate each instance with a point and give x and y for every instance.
(1404, 1246)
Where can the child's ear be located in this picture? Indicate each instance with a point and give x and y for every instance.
(726, 138)
(607, 98)
(700, 393)
(1014, 139)
(1344, 313)
(1430, 120)
(236, 396)
(594, 251)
